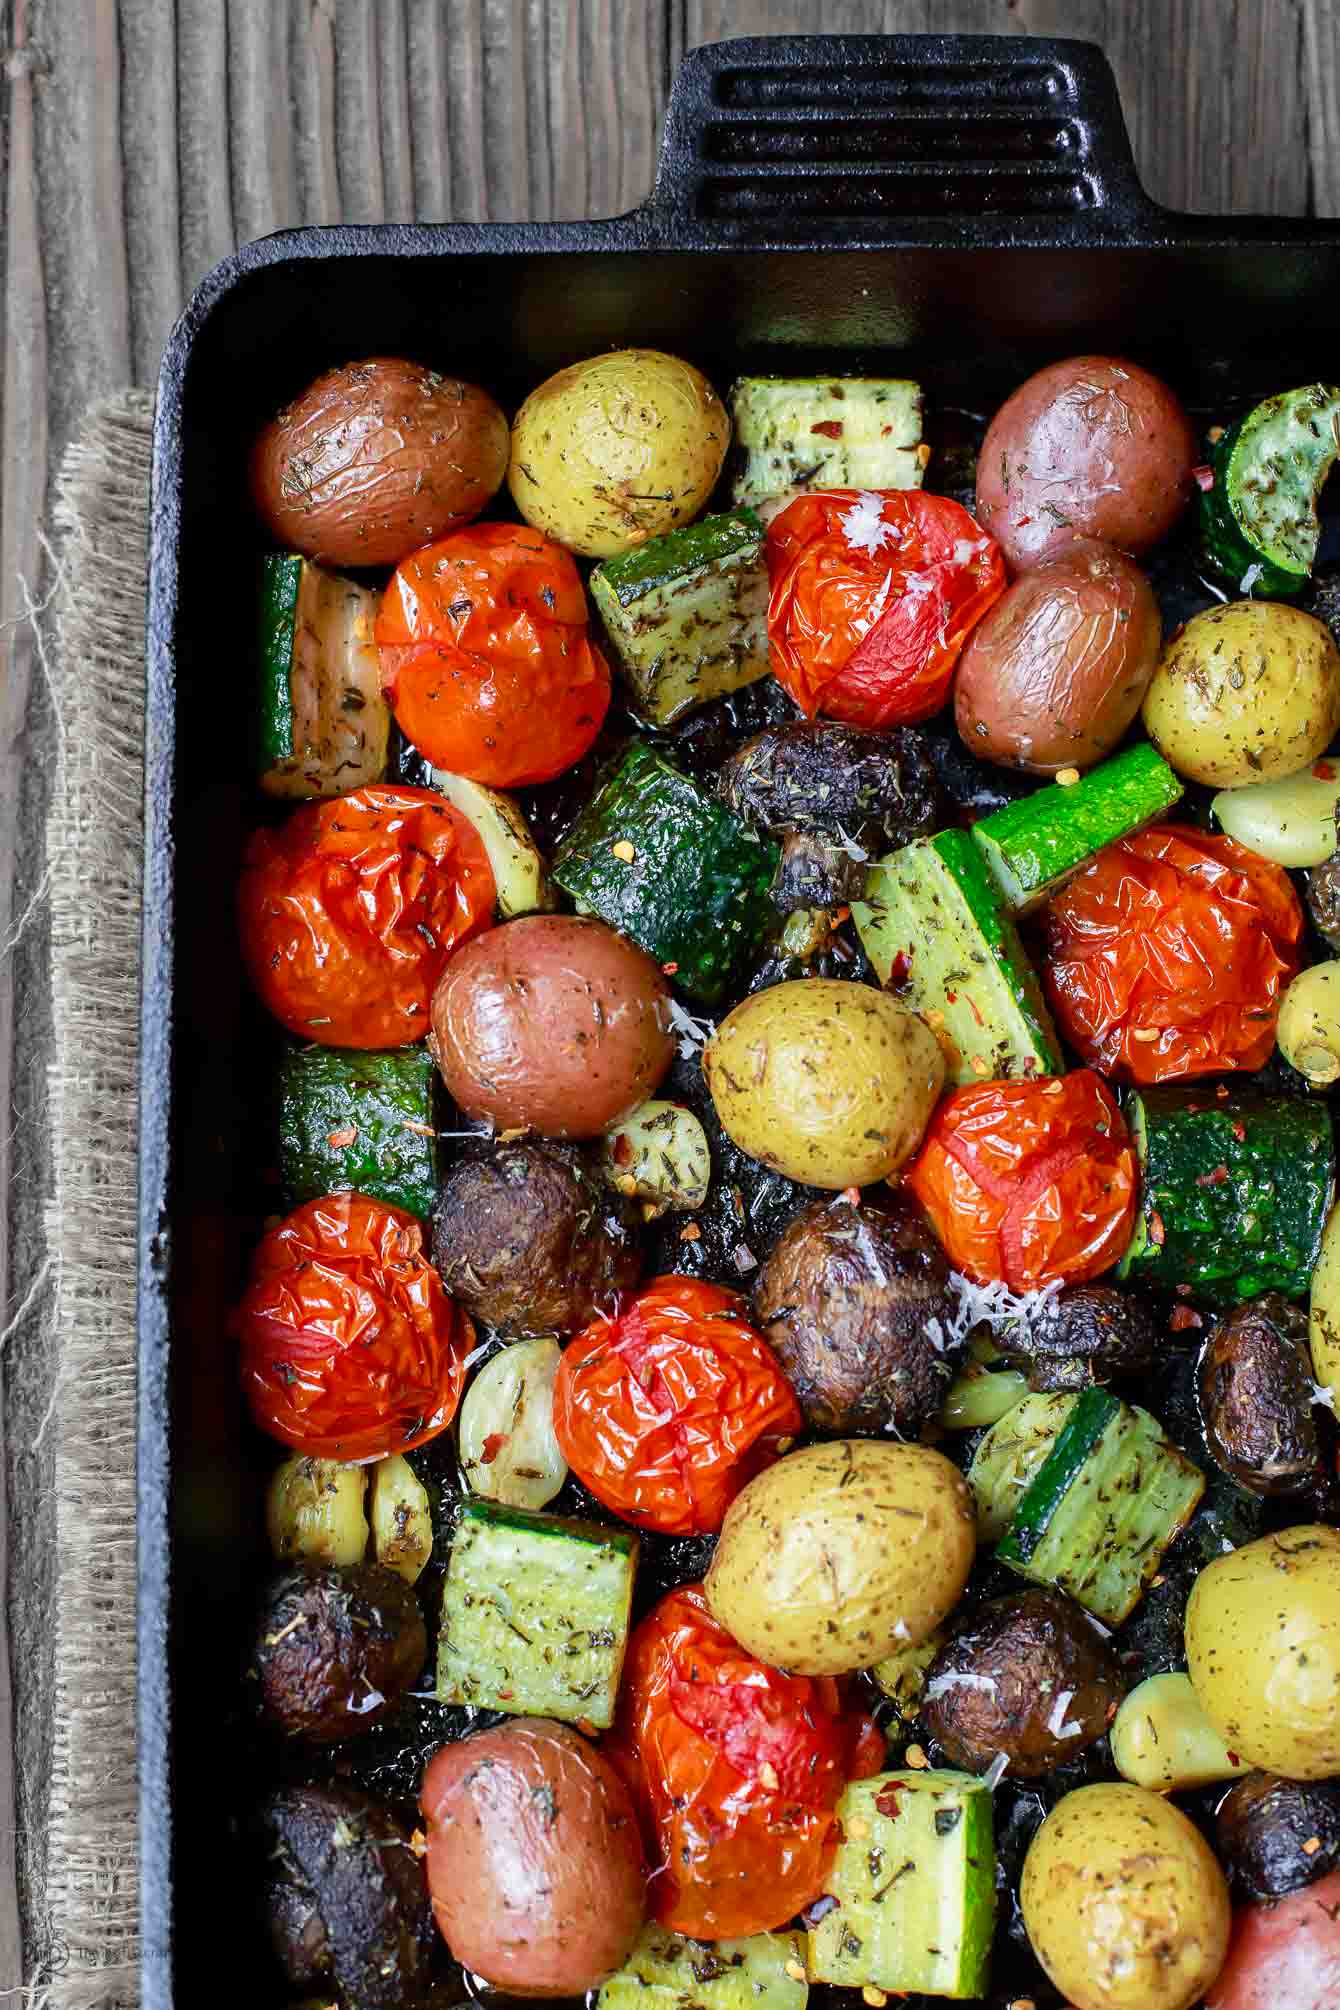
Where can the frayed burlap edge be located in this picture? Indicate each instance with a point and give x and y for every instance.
(94, 853)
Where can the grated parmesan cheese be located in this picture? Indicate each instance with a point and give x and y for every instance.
(881, 599)
(996, 1771)
(1057, 1724)
(1324, 1398)
(993, 1305)
(955, 1679)
(691, 1034)
(1250, 577)
(864, 527)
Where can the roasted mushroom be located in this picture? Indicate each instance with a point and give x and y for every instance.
(532, 1240)
(346, 1898)
(1323, 901)
(1256, 1397)
(336, 1648)
(856, 1303)
(1275, 1836)
(1029, 1676)
(835, 796)
(1085, 1335)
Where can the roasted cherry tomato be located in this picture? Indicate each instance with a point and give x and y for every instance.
(873, 596)
(486, 659)
(1032, 1183)
(351, 1349)
(350, 909)
(736, 1769)
(1169, 955)
(666, 1410)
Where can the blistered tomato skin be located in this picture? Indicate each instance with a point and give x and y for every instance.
(349, 910)
(485, 656)
(350, 1348)
(1032, 1183)
(736, 1768)
(668, 1409)
(873, 594)
(1169, 955)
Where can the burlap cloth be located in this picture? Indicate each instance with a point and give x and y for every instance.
(74, 1352)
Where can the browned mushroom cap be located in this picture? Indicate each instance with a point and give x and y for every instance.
(336, 1648)
(1256, 1397)
(1275, 1836)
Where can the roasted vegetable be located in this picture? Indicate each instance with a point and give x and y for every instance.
(840, 1552)
(657, 857)
(1323, 900)
(323, 720)
(314, 1511)
(350, 1348)
(534, 1862)
(486, 658)
(376, 459)
(1123, 1902)
(530, 1240)
(509, 1452)
(1263, 1650)
(856, 1303)
(1028, 1677)
(667, 1407)
(1275, 1836)
(1092, 447)
(825, 433)
(349, 910)
(553, 1023)
(345, 1899)
(1162, 1739)
(360, 1122)
(1292, 822)
(659, 1155)
(834, 796)
(668, 1971)
(1053, 675)
(1249, 692)
(1258, 518)
(402, 1519)
(828, 1083)
(519, 872)
(1034, 844)
(1011, 1455)
(615, 450)
(1090, 1333)
(535, 1614)
(1256, 1397)
(335, 1649)
(1284, 1953)
(1308, 1031)
(914, 1884)
(873, 594)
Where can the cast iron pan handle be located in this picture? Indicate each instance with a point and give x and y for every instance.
(899, 136)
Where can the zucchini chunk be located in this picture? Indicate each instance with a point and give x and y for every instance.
(665, 863)
(935, 927)
(519, 872)
(1234, 1192)
(535, 1614)
(915, 1882)
(324, 724)
(1103, 1507)
(359, 1122)
(687, 614)
(668, 1971)
(825, 433)
(1259, 520)
(1033, 845)
(1010, 1457)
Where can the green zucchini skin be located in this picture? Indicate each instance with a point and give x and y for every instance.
(1034, 844)
(281, 579)
(385, 1100)
(1235, 1192)
(1105, 1505)
(934, 925)
(323, 724)
(694, 893)
(687, 614)
(1259, 520)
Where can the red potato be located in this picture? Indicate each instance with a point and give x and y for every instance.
(1056, 671)
(376, 459)
(1284, 1956)
(1091, 447)
(560, 1027)
(535, 1864)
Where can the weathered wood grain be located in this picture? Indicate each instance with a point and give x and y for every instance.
(144, 140)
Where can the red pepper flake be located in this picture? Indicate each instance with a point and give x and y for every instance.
(1216, 1177)
(1233, 1758)
(1203, 477)
(669, 969)
(491, 1447)
(1221, 1091)
(1311, 1846)
(622, 1149)
(1324, 771)
(972, 1007)
(951, 997)
(830, 428)
(1182, 1290)
(418, 1842)
(1239, 1130)
(886, 1800)
(1156, 1230)
(840, 914)
(852, 1195)
(899, 971)
(690, 1232)
(1181, 1318)
(419, 1130)
(339, 1139)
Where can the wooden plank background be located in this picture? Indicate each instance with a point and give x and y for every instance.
(144, 139)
